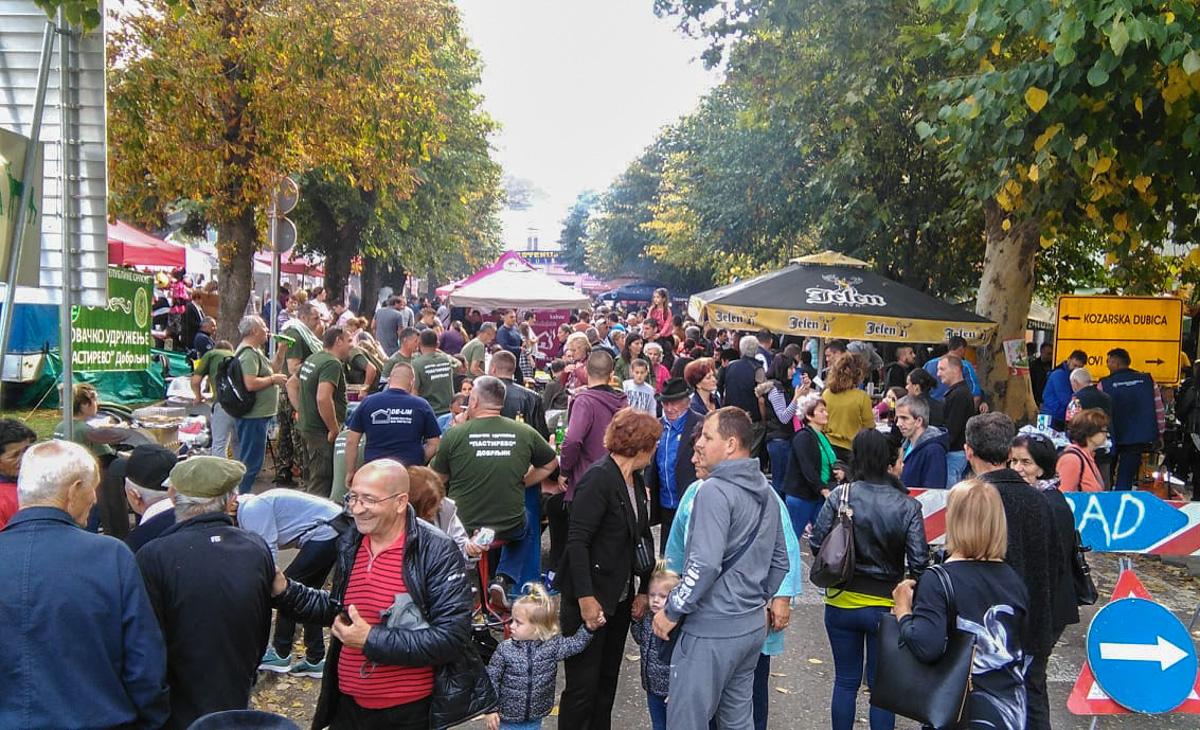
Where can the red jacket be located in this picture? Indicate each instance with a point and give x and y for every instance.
(8, 501)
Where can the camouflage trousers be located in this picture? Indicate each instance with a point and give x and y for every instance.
(289, 448)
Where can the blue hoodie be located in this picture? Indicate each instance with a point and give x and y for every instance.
(925, 460)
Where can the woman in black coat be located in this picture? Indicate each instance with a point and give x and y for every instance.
(809, 475)
(609, 518)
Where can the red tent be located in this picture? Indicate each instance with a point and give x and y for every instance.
(127, 246)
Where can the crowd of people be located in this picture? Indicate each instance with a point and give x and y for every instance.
(424, 445)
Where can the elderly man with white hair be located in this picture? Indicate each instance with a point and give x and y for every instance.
(80, 644)
(210, 585)
(737, 381)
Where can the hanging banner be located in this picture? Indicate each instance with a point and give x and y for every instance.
(116, 337)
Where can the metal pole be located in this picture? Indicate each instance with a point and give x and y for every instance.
(65, 173)
(27, 170)
(273, 325)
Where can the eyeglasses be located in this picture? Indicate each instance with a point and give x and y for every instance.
(369, 502)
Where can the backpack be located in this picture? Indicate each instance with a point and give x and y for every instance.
(231, 389)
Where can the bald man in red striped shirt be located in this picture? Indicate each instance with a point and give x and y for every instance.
(400, 607)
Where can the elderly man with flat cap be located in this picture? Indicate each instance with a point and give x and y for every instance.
(210, 586)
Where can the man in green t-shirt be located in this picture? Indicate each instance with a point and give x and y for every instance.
(474, 353)
(298, 341)
(493, 468)
(434, 374)
(318, 393)
(264, 382)
(221, 424)
(410, 343)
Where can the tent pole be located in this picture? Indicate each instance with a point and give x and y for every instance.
(28, 186)
(65, 172)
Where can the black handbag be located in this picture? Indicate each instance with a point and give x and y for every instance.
(1085, 588)
(933, 694)
(834, 565)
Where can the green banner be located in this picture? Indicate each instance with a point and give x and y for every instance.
(116, 337)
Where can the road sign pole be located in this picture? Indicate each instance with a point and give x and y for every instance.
(27, 171)
(66, 170)
(273, 325)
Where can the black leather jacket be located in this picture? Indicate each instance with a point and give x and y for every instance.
(437, 582)
(888, 531)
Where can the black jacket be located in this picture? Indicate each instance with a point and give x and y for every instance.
(437, 582)
(598, 560)
(958, 407)
(1066, 603)
(1033, 548)
(736, 383)
(522, 400)
(685, 470)
(888, 533)
(802, 478)
(210, 586)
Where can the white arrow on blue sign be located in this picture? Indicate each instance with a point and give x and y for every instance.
(1142, 655)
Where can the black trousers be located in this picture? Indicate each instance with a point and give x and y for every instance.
(587, 700)
(111, 502)
(1038, 701)
(664, 529)
(349, 716)
(558, 516)
(311, 567)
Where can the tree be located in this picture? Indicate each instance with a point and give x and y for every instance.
(1078, 121)
(810, 144)
(214, 102)
(446, 223)
(573, 238)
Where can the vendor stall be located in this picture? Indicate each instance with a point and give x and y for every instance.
(128, 246)
(835, 300)
(512, 283)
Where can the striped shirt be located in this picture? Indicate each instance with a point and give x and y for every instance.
(374, 584)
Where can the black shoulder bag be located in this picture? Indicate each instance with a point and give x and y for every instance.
(834, 565)
(667, 648)
(932, 694)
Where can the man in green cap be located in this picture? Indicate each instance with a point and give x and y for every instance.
(319, 395)
(210, 585)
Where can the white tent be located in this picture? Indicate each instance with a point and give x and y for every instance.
(516, 284)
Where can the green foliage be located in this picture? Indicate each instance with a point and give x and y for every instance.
(573, 238)
(1081, 117)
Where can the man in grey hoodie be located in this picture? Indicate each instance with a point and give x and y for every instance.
(736, 558)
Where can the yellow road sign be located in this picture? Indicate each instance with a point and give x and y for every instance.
(1150, 328)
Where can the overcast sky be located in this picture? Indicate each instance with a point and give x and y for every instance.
(580, 87)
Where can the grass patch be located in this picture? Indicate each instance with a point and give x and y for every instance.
(42, 420)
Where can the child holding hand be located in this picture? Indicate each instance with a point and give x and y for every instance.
(524, 667)
(656, 674)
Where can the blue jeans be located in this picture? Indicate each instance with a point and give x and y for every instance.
(528, 725)
(658, 711)
(850, 629)
(956, 464)
(515, 554)
(802, 512)
(533, 519)
(221, 425)
(252, 447)
(1129, 460)
(778, 450)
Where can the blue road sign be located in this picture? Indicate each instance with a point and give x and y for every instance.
(1114, 522)
(1142, 655)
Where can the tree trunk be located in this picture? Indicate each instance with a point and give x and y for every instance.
(236, 244)
(337, 267)
(1005, 293)
(370, 286)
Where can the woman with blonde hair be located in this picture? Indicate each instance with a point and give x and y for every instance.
(849, 405)
(986, 598)
(427, 497)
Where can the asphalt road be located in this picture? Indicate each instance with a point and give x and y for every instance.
(802, 679)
